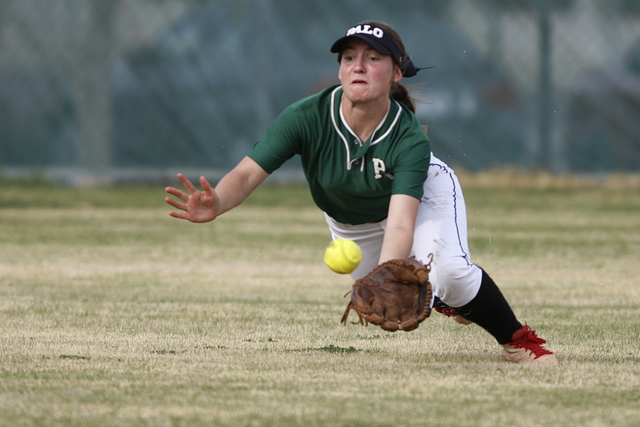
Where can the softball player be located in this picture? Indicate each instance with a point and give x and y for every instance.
(369, 166)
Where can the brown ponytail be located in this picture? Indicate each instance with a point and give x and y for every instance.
(401, 94)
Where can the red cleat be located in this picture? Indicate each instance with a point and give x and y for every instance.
(527, 347)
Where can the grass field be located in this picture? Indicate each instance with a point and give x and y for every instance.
(113, 313)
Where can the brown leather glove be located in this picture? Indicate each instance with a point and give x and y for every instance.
(394, 295)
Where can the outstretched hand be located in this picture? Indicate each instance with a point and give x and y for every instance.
(198, 206)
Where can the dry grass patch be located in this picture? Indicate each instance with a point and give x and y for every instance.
(123, 316)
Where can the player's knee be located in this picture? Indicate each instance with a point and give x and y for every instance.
(458, 283)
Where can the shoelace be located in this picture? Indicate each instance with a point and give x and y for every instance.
(449, 312)
(532, 342)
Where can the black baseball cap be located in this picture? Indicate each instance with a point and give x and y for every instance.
(378, 40)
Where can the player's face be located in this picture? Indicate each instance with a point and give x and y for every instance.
(366, 74)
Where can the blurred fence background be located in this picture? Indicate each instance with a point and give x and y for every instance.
(140, 89)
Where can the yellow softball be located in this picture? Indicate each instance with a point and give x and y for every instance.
(342, 256)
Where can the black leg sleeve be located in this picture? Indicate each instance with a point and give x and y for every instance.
(491, 311)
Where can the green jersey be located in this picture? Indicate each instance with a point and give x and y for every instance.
(351, 180)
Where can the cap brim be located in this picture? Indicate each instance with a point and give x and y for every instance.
(337, 47)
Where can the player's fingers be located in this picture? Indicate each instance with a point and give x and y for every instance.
(205, 184)
(180, 215)
(187, 184)
(175, 203)
(180, 194)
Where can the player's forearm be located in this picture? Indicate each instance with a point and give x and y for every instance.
(397, 244)
(398, 235)
(236, 186)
